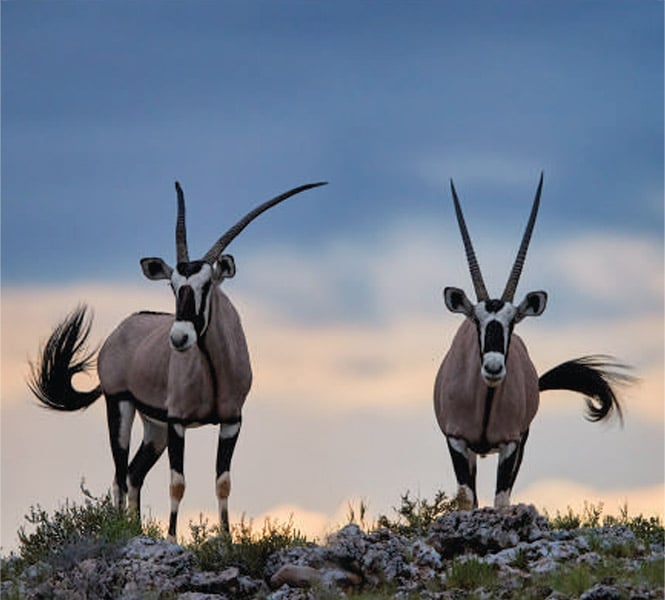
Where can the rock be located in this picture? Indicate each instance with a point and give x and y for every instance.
(601, 592)
(516, 542)
(485, 530)
(208, 582)
(300, 576)
(149, 549)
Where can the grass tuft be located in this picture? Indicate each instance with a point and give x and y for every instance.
(244, 548)
(470, 574)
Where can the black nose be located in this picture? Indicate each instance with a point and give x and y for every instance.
(493, 368)
(179, 340)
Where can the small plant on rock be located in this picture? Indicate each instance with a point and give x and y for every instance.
(414, 516)
(648, 529)
(244, 548)
(470, 574)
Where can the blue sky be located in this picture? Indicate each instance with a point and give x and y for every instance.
(106, 104)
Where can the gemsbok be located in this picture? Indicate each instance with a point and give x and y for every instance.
(486, 392)
(178, 371)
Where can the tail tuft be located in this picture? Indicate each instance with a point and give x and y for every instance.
(63, 356)
(596, 377)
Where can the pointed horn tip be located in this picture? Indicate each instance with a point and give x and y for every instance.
(177, 187)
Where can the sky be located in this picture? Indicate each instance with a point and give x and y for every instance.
(105, 105)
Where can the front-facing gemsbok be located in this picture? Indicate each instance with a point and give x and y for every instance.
(177, 371)
(487, 390)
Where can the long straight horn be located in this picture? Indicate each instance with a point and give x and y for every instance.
(213, 254)
(476, 276)
(180, 230)
(511, 286)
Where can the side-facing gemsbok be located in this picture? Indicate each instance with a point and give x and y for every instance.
(177, 371)
(487, 390)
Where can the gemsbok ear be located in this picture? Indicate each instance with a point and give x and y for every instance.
(224, 267)
(457, 302)
(155, 269)
(532, 306)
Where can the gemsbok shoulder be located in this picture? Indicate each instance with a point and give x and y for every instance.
(486, 392)
(177, 370)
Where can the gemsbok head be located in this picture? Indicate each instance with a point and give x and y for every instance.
(177, 370)
(486, 392)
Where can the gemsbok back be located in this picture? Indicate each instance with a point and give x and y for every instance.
(487, 389)
(178, 371)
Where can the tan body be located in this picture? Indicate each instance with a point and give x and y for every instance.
(190, 386)
(460, 393)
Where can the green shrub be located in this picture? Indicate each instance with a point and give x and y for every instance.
(648, 529)
(570, 581)
(470, 574)
(414, 516)
(244, 548)
(651, 572)
(590, 517)
(75, 531)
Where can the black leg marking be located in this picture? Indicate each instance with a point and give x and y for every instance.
(228, 436)
(176, 446)
(464, 464)
(509, 466)
(154, 443)
(120, 415)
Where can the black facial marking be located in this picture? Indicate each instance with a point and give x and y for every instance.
(494, 339)
(187, 269)
(494, 306)
(186, 305)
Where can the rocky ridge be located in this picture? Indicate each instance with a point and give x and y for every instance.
(486, 553)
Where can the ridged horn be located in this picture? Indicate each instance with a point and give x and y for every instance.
(474, 268)
(511, 286)
(218, 247)
(180, 231)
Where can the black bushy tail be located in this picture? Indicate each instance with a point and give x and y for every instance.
(63, 356)
(594, 376)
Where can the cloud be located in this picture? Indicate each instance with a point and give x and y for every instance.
(557, 495)
(610, 269)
